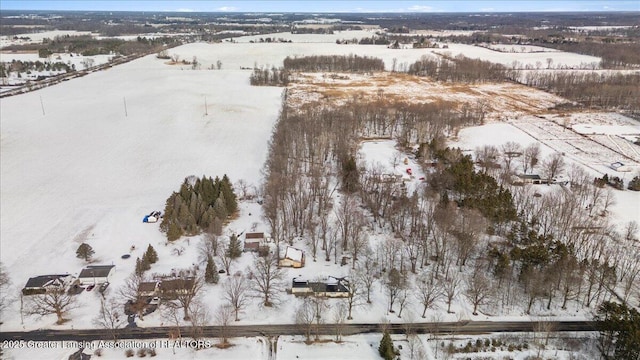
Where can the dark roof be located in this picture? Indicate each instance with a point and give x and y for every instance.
(318, 287)
(529, 176)
(96, 271)
(258, 235)
(177, 284)
(251, 245)
(147, 286)
(42, 280)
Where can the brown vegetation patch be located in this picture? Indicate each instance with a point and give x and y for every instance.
(498, 98)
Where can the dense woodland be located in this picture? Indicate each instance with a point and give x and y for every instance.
(200, 205)
(470, 231)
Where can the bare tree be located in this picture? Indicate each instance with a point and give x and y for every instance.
(530, 157)
(366, 273)
(224, 255)
(510, 150)
(209, 245)
(186, 290)
(224, 317)
(478, 289)
(450, 288)
(266, 278)
(553, 165)
(354, 294)
(403, 299)
(5, 283)
(486, 157)
(170, 311)
(54, 301)
(339, 318)
(305, 316)
(109, 317)
(395, 283)
(199, 317)
(427, 290)
(631, 231)
(235, 292)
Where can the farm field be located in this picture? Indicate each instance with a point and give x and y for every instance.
(87, 159)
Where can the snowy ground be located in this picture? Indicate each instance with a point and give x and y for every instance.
(365, 346)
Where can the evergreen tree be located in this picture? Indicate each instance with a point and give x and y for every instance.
(386, 347)
(194, 208)
(211, 272)
(220, 208)
(226, 189)
(85, 252)
(234, 250)
(174, 232)
(619, 327)
(141, 266)
(150, 256)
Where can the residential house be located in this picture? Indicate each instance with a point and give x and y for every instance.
(331, 287)
(44, 283)
(253, 241)
(148, 289)
(96, 274)
(175, 287)
(293, 257)
(531, 179)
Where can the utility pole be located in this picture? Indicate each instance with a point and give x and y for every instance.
(206, 111)
(125, 106)
(42, 105)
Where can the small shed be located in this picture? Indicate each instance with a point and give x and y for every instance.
(96, 274)
(293, 257)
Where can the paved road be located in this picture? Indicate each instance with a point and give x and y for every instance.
(465, 327)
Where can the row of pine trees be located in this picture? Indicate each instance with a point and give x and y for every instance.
(199, 203)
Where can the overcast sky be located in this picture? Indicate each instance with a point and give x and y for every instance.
(325, 6)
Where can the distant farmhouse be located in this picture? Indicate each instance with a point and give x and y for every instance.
(620, 167)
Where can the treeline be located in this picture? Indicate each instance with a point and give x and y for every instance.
(269, 77)
(334, 63)
(614, 55)
(200, 203)
(608, 91)
(459, 69)
(19, 66)
(88, 46)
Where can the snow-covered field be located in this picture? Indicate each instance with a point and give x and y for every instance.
(85, 160)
